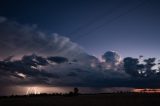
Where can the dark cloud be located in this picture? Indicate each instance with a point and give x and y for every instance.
(34, 60)
(17, 39)
(72, 74)
(20, 72)
(111, 57)
(58, 59)
(112, 61)
(33, 69)
(30, 56)
(25, 69)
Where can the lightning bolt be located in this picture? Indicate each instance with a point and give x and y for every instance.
(32, 90)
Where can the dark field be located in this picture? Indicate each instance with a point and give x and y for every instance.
(116, 99)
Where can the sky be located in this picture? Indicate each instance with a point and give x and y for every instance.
(91, 44)
(130, 27)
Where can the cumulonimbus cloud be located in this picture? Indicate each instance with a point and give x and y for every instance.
(112, 61)
(33, 69)
(61, 61)
(17, 39)
(56, 61)
(111, 57)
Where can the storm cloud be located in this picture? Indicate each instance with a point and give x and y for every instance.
(33, 69)
(28, 53)
(112, 61)
(17, 39)
(111, 57)
(30, 56)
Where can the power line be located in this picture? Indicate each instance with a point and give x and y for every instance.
(112, 20)
(98, 18)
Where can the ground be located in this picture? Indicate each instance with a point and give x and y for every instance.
(118, 99)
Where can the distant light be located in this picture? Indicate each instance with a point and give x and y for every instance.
(146, 90)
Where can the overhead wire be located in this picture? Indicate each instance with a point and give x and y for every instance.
(96, 19)
(111, 20)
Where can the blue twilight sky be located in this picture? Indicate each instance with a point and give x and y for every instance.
(130, 27)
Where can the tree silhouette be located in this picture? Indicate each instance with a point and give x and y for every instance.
(149, 63)
(141, 69)
(131, 66)
(76, 91)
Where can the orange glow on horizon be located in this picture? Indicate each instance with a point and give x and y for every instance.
(146, 90)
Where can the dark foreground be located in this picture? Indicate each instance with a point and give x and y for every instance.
(116, 99)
